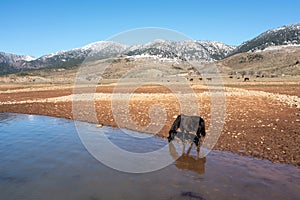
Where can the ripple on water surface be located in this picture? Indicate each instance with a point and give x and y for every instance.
(43, 158)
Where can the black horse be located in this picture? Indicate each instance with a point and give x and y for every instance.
(188, 124)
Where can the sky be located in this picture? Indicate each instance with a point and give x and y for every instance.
(41, 27)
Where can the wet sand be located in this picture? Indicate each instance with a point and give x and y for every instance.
(261, 121)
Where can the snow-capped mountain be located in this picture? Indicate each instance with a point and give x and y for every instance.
(9, 62)
(189, 50)
(102, 49)
(182, 50)
(285, 35)
(11, 58)
(70, 58)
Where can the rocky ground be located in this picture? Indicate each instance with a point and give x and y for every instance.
(260, 120)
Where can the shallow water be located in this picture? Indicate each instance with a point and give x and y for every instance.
(43, 158)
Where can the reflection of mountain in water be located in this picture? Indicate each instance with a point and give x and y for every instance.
(186, 161)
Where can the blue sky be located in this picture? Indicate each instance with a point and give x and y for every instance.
(41, 27)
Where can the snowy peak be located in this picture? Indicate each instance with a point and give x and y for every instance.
(74, 57)
(285, 35)
(10, 62)
(102, 45)
(191, 50)
(28, 58)
(106, 48)
(10, 58)
(172, 51)
(288, 28)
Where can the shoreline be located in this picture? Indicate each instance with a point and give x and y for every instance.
(256, 124)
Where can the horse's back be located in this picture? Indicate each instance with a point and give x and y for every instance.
(189, 123)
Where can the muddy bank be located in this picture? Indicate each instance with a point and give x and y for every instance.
(256, 124)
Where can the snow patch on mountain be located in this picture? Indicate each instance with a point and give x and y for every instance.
(189, 50)
(106, 48)
(11, 58)
(285, 35)
(28, 58)
(281, 47)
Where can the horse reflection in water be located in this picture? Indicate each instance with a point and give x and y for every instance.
(186, 161)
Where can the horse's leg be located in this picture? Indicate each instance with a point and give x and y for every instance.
(189, 150)
(202, 127)
(174, 127)
(197, 138)
(198, 152)
(200, 132)
(183, 148)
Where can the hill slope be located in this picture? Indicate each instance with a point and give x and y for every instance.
(285, 35)
(274, 51)
(276, 60)
(184, 50)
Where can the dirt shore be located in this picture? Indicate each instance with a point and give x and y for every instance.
(260, 121)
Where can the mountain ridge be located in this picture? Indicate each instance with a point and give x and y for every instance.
(284, 35)
(197, 50)
(186, 50)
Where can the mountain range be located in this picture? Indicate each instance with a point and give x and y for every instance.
(189, 50)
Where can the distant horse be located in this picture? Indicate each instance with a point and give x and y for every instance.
(187, 124)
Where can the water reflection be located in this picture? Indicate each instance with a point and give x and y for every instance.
(7, 117)
(187, 161)
(43, 158)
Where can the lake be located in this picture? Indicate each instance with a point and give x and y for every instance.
(43, 158)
